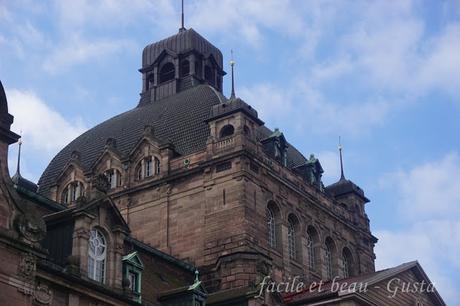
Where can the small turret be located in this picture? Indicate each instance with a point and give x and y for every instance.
(17, 178)
(349, 194)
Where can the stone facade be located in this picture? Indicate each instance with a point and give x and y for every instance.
(209, 208)
(187, 179)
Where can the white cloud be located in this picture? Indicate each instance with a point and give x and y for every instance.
(43, 128)
(428, 196)
(85, 15)
(248, 18)
(429, 190)
(272, 103)
(441, 66)
(80, 51)
(305, 108)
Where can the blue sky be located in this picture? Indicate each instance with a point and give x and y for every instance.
(383, 75)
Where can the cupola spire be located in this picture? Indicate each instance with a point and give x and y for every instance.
(182, 28)
(232, 63)
(342, 176)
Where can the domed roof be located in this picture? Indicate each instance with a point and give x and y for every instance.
(182, 42)
(178, 119)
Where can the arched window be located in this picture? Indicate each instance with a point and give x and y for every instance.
(347, 263)
(148, 167)
(291, 240)
(209, 75)
(312, 242)
(72, 192)
(167, 72)
(328, 262)
(184, 68)
(114, 178)
(219, 82)
(97, 253)
(227, 130)
(271, 227)
(198, 68)
(310, 253)
(328, 258)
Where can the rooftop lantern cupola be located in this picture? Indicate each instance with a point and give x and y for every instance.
(179, 62)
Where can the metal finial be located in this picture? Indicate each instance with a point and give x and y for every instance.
(197, 274)
(182, 28)
(342, 176)
(232, 63)
(19, 155)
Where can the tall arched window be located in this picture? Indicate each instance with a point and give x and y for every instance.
(167, 72)
(114, 178)
(328, 258)
(148, 167)
(72, 192)
(291, 240)
(310, 253)
(226, 130)
(198, 69)
(271, 228)
(209, 75)
(347, 261)
(312, 241)
(328, 261)
(184, 68)
(97, 253)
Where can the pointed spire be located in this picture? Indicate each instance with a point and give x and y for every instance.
(18, 168)
(182, 28)
(232, 63)
(342, 176)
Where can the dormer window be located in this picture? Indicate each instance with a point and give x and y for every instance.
(97, 253)
(167, 72)
(148, 167)
(114, 178)
(133, 266)
(72, 192)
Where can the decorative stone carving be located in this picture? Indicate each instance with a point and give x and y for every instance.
(101, 183)
(30, 226)
(263, 267)
(43, 294)
(27, 266)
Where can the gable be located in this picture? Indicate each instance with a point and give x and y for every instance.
(106, 214)
(134, 260)
(405, 288)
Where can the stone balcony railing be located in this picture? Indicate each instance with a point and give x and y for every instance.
(224, 144)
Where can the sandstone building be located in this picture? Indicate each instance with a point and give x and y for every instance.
(188, 179)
